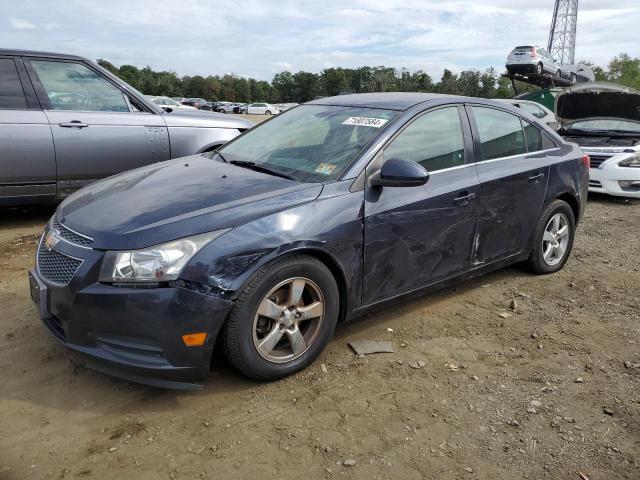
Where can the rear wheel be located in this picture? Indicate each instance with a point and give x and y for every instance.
(574, 78)
(283, 318)
(553, 238)
(539, 68)
(558, 73)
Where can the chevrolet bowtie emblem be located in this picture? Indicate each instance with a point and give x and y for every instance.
(51, 239)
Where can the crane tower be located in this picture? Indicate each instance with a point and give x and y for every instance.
(562, 38)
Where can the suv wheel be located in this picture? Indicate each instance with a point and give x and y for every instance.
(539, 68)
(553, 238)
(574, 78)
(558, 73)
(282, 319)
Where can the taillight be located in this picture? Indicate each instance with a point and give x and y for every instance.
(533, 52)
(586, 161)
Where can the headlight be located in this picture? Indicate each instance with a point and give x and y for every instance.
(633, 161)
(160, 263)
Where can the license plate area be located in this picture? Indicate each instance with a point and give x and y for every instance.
(39, 296)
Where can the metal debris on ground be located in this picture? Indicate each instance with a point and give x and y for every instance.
(367, 347)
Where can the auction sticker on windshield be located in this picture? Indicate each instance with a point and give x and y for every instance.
(325, 168)
(365, 122)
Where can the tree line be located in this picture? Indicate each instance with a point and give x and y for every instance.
(304, 86)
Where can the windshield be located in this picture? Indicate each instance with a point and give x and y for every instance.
(310, 143)
(612, 125)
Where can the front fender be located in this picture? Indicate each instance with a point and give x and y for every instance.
(329, 228)
(191, 140)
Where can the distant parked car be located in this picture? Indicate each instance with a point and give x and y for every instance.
(532, 59)
(199, 103)
(262, 109)
(534, 108)
(65, 122)
(604, 120)
(578, 73)
(166, 102)
(283, 107)
(233, 108)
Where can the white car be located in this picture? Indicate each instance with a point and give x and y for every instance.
(534, 108)
(262, 109)
(166, 102)
(603, 119)
(532, 59)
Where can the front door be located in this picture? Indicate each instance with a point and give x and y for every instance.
(95, 129)
(415, 236)
(513, 169)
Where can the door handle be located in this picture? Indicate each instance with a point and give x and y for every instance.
(73, 124)
(536, 178)
(464, 199)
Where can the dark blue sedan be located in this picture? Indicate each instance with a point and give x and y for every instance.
(307, 220)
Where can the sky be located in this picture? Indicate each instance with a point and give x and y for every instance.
(259, 38)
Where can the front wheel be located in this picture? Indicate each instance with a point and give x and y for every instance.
(574, 79)
(282, 319)
(539, 68)
(553, 238)
(267, 112)
(558, 73)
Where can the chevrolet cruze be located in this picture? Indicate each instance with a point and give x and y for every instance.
(316, 216)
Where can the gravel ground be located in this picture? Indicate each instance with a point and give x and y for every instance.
(505, 377)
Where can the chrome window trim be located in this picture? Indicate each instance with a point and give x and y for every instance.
(516, 156)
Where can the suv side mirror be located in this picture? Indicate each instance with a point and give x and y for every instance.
(397, 172)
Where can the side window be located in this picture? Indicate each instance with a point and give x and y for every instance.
(532, 109)
(500, 133)
(11, 93)
(72, 86)
(533, 136)
(435, 141)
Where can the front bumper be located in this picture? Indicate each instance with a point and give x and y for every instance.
(133, 333)
(607, 179)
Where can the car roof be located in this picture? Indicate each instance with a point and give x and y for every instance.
(35, 53)
(391, 100)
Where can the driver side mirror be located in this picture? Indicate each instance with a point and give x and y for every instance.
(397, 172)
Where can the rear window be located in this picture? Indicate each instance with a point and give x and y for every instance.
(522, 49)
(11, 93)
(500, 133)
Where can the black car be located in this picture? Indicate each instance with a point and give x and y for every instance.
(316, 216)
(199, 103)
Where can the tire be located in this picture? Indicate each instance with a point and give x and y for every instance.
(538, 262)
(539, 69)
(267, 112)
(558, 73)
(573, 78)
(247, 333)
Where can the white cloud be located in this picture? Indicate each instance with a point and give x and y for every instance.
(21, 24)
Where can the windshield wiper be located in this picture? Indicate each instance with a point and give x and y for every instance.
(222, 157)
(259, 168)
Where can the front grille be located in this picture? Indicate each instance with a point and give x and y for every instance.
(597, 160)
(56, 267)
(69, 235)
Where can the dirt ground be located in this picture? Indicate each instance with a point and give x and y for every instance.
(548, 389)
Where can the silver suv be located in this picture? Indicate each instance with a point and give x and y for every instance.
(532, 59)
(65, 122)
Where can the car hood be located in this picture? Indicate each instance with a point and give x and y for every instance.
(176, 199)
(203, 118)
(598, 100)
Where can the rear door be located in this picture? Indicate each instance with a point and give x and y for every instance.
(27, 159)
(416, 236)
(513, 169)
(96, 130)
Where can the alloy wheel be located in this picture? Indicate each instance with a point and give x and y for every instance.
(288, 320)
(555, 239)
